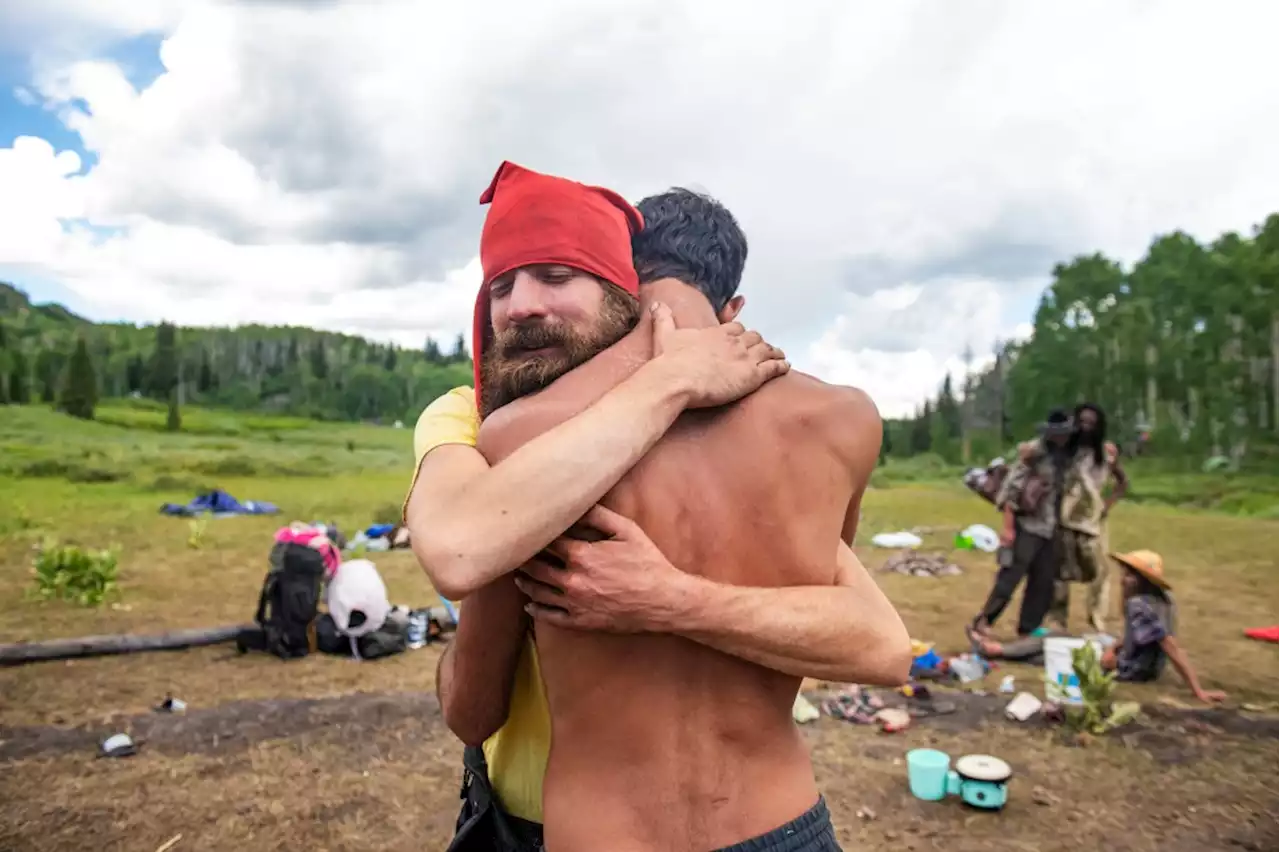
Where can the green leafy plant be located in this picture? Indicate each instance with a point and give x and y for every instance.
(71, 573)
(1097, 712)
(195, 532)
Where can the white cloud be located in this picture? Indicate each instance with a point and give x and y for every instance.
(907, 172)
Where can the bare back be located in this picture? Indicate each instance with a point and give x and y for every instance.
(659, 743)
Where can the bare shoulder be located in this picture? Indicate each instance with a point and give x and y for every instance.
(845, 416)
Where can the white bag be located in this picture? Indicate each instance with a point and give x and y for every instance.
(357, 587)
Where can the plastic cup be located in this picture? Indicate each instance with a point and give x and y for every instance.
(927, 773)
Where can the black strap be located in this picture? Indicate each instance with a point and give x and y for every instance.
(482, 822)
(267, 586)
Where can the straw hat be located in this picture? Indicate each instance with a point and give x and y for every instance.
(1147, 563)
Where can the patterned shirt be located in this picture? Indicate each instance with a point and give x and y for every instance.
(1049, 466)
(1147, 621)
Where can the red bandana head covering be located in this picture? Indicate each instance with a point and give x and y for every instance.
(541, 219)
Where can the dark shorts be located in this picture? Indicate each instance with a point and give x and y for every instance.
(809, 832)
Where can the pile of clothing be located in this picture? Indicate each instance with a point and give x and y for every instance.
(915, 564)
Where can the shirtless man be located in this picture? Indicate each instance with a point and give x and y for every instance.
(660, 743)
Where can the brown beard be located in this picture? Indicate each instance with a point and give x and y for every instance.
(507, 372)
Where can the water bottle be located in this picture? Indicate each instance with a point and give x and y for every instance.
(417, 634)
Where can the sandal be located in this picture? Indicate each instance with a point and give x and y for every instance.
(976, 638)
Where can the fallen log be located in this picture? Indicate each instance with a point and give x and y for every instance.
(19, 653)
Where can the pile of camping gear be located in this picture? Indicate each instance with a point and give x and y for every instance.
(305, 570)
(380, 537)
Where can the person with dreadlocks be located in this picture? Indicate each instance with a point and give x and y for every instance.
(1094, 461)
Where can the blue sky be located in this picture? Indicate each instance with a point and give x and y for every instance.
(21, 114)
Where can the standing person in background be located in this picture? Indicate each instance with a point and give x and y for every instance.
(1094, 461)
(1030, 498)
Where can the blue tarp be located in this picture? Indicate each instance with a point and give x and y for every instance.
(219, 504)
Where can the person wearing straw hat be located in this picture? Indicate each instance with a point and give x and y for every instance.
(1150, 621)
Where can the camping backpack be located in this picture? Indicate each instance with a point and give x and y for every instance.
(289, 603)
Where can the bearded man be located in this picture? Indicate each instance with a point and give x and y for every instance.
(660, 742)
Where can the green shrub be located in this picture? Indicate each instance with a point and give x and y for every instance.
(1097, 713)
(71, 573)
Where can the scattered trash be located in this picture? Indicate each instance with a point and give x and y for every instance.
(921, 565)
(855, 704)
(1253, 708)
(866, 813)
(118, 745)
(926, 664)
(968, 667)
(1264, 634)
(418, 622)
(893, 719)
(897, 540)
(1006, 685)
(171, 705)
(803, 711)
(977, 537)
(922, 704)
(1023, 707)
(380, 538)
(170, 843)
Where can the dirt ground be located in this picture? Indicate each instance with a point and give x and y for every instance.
(325, 753)
(379, 771)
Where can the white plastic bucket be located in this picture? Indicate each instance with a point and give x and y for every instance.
(1061, 683)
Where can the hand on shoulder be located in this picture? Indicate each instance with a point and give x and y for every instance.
(714, 365)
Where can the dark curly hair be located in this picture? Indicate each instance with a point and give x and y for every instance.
(693, 238)
(1095, 440)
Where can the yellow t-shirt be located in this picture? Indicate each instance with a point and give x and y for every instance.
(517, 753)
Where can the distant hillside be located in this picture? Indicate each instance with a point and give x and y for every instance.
(282, 369)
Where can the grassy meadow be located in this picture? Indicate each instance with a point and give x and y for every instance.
(389, 777)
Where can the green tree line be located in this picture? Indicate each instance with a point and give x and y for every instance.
(288, 370)
(1182, 346)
